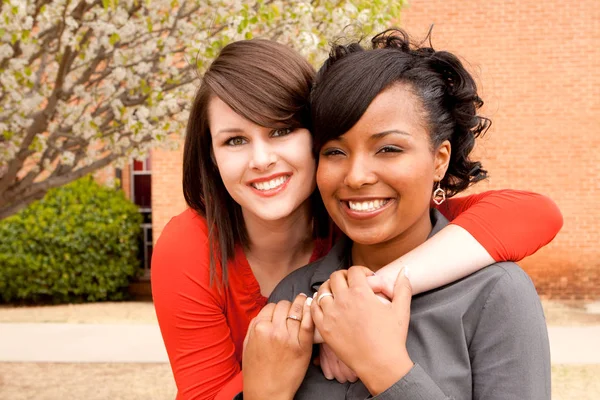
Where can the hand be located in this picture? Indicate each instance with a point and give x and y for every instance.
(382, 283)
(367, 335)
(277, 350)
(332, 367)
(376, 285)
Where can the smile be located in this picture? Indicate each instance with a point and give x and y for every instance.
(272, 184)
(366, 209)
(367, 206)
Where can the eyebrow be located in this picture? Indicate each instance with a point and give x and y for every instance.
(383, 134)
(229, 130)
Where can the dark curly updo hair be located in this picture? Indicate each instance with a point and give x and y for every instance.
(352, 77)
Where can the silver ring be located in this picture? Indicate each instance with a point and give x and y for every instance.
(294, 317)
(321, 297)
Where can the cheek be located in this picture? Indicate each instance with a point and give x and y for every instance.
(231, 166)
(298, 152)
(413, 179)
(328, 178)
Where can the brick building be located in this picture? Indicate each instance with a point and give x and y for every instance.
(538, 67)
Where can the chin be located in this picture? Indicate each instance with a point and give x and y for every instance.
(366, 237)
(275, 213)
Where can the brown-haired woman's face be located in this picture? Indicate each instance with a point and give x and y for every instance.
(376, 180)
(268, 172)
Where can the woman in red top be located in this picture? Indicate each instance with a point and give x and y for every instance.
(249, 180)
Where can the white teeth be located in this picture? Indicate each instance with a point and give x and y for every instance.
(367, 205)
(272, 184)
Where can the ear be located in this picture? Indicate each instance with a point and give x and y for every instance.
(442, 159)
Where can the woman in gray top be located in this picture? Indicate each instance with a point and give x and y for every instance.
(393, 127)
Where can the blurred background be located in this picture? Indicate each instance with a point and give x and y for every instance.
(94, 97)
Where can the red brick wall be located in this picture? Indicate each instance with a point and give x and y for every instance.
(167, 193)
(538, 65)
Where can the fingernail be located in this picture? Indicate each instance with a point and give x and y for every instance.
(315, 295)
(302, 294)
(309, 301)
(406, 272)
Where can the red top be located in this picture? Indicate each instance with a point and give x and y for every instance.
(203, 327)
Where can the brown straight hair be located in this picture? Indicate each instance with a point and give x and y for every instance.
(269, 84)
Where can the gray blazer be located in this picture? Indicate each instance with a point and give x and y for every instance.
(483, 337)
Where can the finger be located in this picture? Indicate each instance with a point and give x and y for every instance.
(316, 313)
(324, 296)
(346, 372)
(383, 282)
(307, 326)
(317, 337)
(357, 277)
(279, 315)
(335, 370)
(402, 295)
(325, 364)
(294, 317)
(382, 298)
(266, 314)
(338, 281)
(377, 283)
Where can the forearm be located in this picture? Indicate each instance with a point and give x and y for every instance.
(451, 254)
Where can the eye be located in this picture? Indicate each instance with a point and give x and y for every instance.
(332, 151)
(236, 141)
(389, 149)
(281, 132)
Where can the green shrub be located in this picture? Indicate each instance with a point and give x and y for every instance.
(79, 243)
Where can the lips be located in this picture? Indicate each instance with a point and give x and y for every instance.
(365, 208)
(368, 205)
(270, 185)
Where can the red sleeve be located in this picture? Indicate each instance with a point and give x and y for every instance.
(190, 311)
(509, 224)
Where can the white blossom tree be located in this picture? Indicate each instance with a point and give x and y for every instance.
(84, 83)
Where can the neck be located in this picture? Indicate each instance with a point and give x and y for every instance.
(279, 247)
(378, 255)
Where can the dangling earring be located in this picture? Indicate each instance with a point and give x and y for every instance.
(439, 195)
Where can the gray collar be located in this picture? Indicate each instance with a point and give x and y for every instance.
(339, 255)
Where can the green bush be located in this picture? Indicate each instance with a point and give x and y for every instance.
(79, 243)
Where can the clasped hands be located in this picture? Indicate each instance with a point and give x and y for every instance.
(364, 337)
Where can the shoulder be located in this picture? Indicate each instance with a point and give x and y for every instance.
(184, 235)
(182, 249)
(507, 277)
(295, 283)
(512, 287)
(187, 226)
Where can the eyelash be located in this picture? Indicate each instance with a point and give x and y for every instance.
(229, 142)
(390, 149)
(384, 149)
(280, 132)
(332, 152)
(286, 131)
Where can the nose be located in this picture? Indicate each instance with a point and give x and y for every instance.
(359, 173)
(263, 156)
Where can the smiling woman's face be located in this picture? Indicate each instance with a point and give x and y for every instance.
(376, 180)
(269, 172)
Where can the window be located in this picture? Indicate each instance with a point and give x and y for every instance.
(141, 195)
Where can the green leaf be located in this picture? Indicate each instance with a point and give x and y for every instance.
(114, 38)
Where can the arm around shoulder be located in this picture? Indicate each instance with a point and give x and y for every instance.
(509, 224)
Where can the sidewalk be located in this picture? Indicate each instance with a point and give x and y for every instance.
(142, 343)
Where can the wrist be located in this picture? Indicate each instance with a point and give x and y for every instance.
(381, 376)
